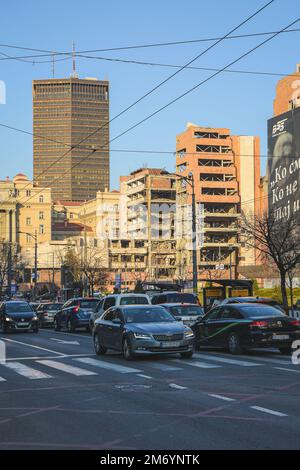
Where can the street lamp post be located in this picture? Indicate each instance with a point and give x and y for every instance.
(35, 259)
(190, 180)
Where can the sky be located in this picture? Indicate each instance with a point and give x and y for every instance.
(240, 102)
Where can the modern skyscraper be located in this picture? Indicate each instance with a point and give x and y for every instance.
(66, 112)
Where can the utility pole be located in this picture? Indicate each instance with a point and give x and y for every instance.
(35, 264)
(190, 180)
(9, 255)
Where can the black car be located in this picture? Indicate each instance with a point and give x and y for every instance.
(75, 313)
(46, 312)
(189, 314)
(142, 329)
(239, 327)
(174, 297)
(18, 316)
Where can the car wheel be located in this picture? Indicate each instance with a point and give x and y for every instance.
(285, 351)
(187, 355)
(56, 325)
(99, 349)
(234, 344)
(70, 327)
(127, 351)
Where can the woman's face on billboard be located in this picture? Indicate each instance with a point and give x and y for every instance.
(287, 149)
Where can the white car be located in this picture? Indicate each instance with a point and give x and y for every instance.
(116, 300)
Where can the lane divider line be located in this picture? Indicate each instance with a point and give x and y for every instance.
(221, 397)
(177, 387)
(266, 410)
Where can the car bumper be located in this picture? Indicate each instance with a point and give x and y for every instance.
(15, 326)
(81, 323)
(162, 347)
(267, 339)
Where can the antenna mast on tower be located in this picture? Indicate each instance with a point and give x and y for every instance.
(73, 74)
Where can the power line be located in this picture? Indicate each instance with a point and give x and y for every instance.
(176, 99)
(47, 53)
(154, 89)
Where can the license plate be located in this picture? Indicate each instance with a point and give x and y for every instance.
(281, 337)
(170, 344)
(24, 325)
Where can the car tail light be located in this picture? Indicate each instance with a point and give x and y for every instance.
(259, 324)
(75, 309)
(295, 322)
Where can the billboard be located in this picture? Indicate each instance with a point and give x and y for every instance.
(284, 165)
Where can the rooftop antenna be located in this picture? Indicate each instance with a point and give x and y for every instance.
(74, 74)
(53, 66)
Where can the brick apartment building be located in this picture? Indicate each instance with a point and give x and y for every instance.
(226, 171)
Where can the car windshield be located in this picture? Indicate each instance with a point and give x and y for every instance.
(147, 315)
(134, 300)
(179, 297)
(260, 311)
(18, 307)
(89, 303)
(52, 307)
(186, 310)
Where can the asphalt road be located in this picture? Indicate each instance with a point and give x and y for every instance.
(56, 394)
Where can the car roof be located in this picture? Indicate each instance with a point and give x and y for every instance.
(267, 299)
(143, 307)
(248, 304)
(180, 304)
(16, 302)
(134, 294)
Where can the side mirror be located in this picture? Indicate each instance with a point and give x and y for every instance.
(116, 321)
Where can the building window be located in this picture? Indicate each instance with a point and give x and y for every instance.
(41, 198)
(41, 215)
(28, 238)
(28, 192)
(28, 221)
(41, 229)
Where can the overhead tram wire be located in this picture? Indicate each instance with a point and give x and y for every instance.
(47, 53)
(137, 151)
(156, 87)
(178, 98)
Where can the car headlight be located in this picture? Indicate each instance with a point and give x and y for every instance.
(34, 318)
(189, 334)
(141, 336)
(8, 319)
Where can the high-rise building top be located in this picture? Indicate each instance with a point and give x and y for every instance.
(71, 135)
(287, 93)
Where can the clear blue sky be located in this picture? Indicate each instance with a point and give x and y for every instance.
(241, 102)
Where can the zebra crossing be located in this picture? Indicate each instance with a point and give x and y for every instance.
(40, 369)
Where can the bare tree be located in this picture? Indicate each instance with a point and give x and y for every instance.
(94, 267)
(277, 241)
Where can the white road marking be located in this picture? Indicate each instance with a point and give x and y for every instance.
(35, 358)
(33, 346)
(221, 397)
(178, 387)
(288, 370)
(2, 379)
(165, 367)
(107, 365)
(226, 360)
(26, 371)
(272, 360)
(266, 410)
(144, 376)
(62, 341)
(66, 368)
(201, 365)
